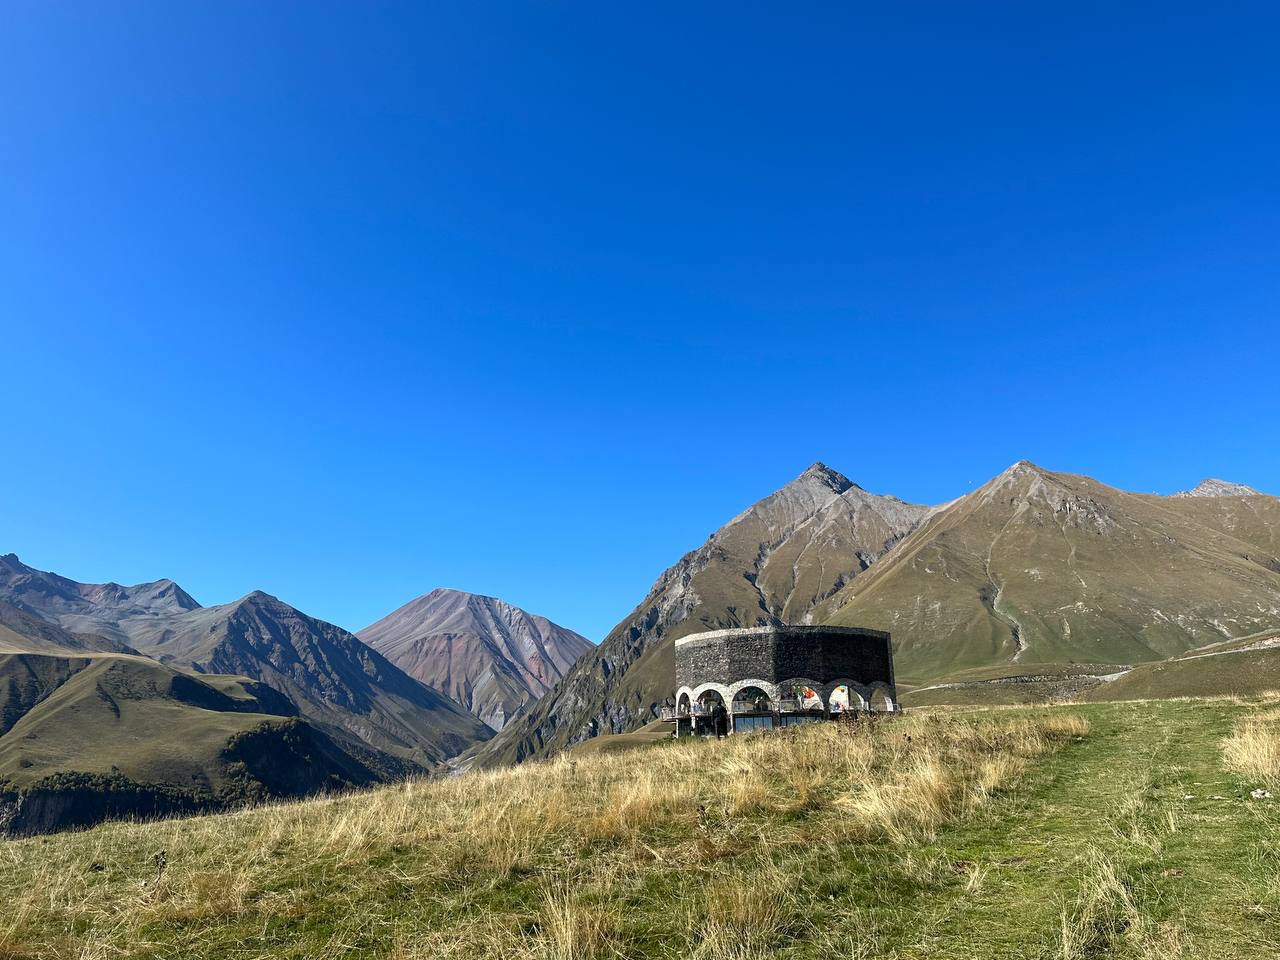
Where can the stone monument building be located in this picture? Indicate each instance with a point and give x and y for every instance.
(777, 676)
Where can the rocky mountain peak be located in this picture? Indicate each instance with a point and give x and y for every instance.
(1210, 487)
(1018, 481)
(824, 475)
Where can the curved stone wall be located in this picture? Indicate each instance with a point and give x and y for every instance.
(777, 659)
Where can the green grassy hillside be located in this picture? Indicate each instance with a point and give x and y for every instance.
(1044, 569)
(1249, 666)
(1246, 673)
(22, 632)
(1119, 830)
(83, 738)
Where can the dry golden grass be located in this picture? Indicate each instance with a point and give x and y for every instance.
(1254, 746)
(691, 849)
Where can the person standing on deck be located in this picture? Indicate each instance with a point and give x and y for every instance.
(720, 717)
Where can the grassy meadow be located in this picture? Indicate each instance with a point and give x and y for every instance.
(1125, 830)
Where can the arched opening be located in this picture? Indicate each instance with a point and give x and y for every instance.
(711, 717)
(838, 702)
(882, 700)
(811, 699)
(751, 700)
(802, 702)
(683, 704)
(752, 710)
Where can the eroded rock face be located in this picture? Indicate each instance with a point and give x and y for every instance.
(482, 652)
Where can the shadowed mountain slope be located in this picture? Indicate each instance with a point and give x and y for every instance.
(771, 564)
(88, 738)
(482, 652)
(351, 690)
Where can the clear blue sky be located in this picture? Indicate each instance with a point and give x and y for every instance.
(349, 301)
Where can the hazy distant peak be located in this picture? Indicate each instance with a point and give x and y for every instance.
(483, 652)
(1210, 487)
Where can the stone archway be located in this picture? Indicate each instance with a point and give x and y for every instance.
(722, 691)
(845, 694)
(711, 710)
(750, 698)
(767, 688)
(808, 693)
(882, 698)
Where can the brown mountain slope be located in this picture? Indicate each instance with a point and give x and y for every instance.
(1253, 518)
(771, 564)
(22, 632)
(1037, 567)
(349, 689)
(481, 652)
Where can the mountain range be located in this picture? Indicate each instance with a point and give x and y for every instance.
(1033, 571)
(136, 700)
(160, 703)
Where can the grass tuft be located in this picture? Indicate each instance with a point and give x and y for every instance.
(1254, 746)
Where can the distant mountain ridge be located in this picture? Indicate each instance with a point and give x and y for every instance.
(106, 609)
(353, 693)
(1034, 569)
(484, 653)
(1219, 488)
